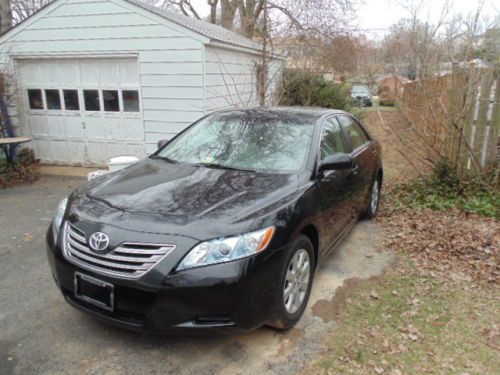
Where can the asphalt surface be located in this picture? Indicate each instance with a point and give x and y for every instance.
(41, 334)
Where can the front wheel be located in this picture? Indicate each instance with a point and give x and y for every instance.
(295, 285)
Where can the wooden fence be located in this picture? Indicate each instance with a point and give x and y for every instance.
(458, 115)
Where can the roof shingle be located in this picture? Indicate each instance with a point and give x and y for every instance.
(209, 30)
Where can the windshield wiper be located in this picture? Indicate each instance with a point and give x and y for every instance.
(158, 157)
(221, 166)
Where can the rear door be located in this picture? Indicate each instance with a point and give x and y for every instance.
(335, 196)
(364, 159)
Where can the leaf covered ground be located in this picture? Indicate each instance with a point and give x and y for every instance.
(437, 311)
(410, 322)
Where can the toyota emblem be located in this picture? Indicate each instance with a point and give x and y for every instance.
(99, 241)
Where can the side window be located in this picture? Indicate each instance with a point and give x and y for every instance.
(356, 134)
(332, 139)
(35, 99)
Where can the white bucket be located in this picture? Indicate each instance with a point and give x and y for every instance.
(121, 162)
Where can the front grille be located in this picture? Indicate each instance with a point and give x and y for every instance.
(129, 260)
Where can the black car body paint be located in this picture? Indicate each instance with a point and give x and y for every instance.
(157, 201)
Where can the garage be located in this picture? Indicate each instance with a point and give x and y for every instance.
(82, 111)
(88, 81)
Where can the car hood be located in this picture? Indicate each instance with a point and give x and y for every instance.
(157, 196)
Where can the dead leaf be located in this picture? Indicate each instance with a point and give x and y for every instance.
(374, 295)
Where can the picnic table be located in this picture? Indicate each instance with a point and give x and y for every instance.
(9, 146)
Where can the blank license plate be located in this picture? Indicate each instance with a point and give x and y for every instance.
(94, 291)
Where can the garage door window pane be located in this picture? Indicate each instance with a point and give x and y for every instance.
(35, 99)
(131, 101)
(53, 99)
(71, 100)
(111, 101)
(91, 98)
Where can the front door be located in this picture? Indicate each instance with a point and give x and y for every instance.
(335, 194)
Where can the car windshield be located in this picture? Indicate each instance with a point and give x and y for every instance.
(245, 140)
(359, 90)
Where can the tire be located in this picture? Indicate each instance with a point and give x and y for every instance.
(374, 202)
(288, 310)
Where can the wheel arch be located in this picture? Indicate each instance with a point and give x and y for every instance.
(311, 232)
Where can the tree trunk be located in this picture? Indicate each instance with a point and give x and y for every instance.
(5, 16)
(213, 10)
(250, 12)
(264, 68)
(228, 11)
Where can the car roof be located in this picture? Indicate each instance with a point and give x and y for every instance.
(311, 113)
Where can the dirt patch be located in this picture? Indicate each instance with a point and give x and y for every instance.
(290, 341)
(329, 311)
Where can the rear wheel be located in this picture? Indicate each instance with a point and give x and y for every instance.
(372, 209)
(295, 285)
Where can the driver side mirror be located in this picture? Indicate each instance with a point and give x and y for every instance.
(336, 161)
(162, 143)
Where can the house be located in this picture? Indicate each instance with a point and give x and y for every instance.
(90, 80)
(492, 41)
(391, 87)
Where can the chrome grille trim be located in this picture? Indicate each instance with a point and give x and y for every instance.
(127, 261)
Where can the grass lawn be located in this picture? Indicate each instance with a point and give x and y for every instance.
(381, 108)
(410, 322)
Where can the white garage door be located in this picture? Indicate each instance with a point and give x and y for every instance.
(82, 111)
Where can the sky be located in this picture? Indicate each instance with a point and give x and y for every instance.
(378, 15)
(375, 16)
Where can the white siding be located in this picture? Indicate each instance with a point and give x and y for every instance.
(170, 58)
(230, 78)
(181, 76)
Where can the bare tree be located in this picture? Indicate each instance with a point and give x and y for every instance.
(450, 105)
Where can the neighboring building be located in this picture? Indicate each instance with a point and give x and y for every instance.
(92, 80)
(391, 87)
(492, 42)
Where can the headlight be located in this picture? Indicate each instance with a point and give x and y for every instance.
(58, 217)
(227, 249)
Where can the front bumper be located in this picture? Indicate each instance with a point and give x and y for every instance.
(233, 297)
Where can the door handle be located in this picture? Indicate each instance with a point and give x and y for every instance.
(355, 169)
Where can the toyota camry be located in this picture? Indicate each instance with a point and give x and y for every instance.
(223, 228)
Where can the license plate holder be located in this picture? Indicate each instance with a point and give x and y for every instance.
(94, 291)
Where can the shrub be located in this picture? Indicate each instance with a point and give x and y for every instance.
(305, 88)
(387, 103)
(443, 189)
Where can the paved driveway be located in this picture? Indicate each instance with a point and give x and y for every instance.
(41, 334)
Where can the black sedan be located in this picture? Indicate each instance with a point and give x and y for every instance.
(223, 228)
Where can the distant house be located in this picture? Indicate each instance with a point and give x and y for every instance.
(492, 41)
(391, 87)
(90, 80)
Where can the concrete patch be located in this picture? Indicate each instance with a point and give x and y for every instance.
(43, 335)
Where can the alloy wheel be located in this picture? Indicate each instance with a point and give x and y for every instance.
(297, 281)
(375, 197)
